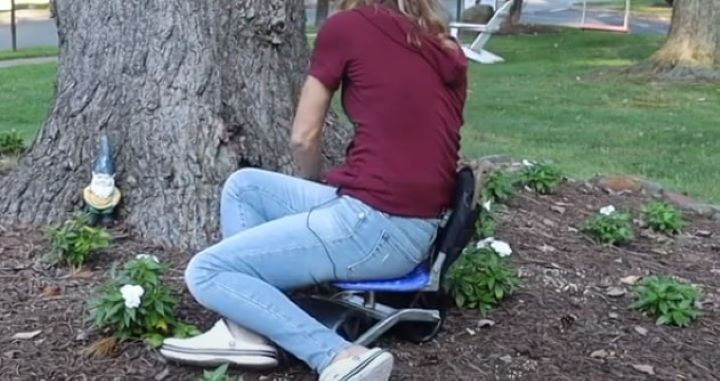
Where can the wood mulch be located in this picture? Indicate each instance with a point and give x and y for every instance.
(560, 324)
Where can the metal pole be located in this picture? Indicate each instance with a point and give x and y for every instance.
(459, 9)
(13, 31)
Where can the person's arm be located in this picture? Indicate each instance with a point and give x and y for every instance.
(306, 139)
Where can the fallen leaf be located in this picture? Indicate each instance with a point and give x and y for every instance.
(11, 354)
(613, 315)
(506, 359)
(162, 375)
(85, 274)
(660, 251)
(547, 248)
(485, 323)
(641, 331)
(100, 348)
(558, 209)
(615, 292)
(599, 354)
(703, 233)
(647, 369)
(630, 280)
(49, 292)
(549, 222)
(471, 332)
(81, 336)
(26, 335)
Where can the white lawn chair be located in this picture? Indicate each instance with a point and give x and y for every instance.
(475, 50)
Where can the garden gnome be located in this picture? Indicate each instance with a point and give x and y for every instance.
(101, 196)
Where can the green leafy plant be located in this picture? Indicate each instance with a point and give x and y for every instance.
(480, 278)
(668, 300)
(11, 143)
(500, 186)
(543, 178)
(610, 227)
(134, 304)
(219, 374)
(485, 223)
(75, 240)
(664, 218)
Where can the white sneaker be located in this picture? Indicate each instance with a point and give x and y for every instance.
(225, 342)
(374, 365)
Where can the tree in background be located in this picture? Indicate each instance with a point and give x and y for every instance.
(323, 10)
(692, 49)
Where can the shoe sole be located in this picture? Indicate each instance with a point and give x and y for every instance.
(375, 368)
(217, 358)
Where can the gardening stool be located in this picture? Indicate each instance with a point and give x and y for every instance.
(414, 305)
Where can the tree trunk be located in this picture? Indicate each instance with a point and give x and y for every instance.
(513, 19)
(187, 91)
(692, 49)
(323, 10)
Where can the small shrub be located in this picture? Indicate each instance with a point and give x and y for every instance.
(11, 143)
(670, 301)
(219, 374)
(134, 304)
(542, 178)
(485, 224)
(482, 276)
(664, 218)
(610, 227)
(500, 186)
(75, 240)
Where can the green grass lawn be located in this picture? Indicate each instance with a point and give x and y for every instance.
(548, 101)
(25, 96)
(47, 51)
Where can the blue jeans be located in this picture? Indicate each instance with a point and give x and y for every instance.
(282, 233)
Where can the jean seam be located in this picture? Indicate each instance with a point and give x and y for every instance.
(253, 188)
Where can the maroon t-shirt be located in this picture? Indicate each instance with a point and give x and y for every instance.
(406, 102)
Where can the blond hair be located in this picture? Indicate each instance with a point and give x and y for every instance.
(427, 15)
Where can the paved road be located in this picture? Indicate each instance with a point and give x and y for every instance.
(550, 12)
(572, 17)
(30, 34)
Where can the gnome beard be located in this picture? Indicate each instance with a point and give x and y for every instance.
(102, 185)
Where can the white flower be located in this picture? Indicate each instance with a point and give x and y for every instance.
(608, 210)
(132, 294)
(502, 248)
(487, 205)
(485, 244)
(147, 256)
(528, 163)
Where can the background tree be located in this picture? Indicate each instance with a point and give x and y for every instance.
(322, 12)
(692, 49)
(187, 91)
(513, 19)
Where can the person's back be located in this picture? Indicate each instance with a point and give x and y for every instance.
(404, 91)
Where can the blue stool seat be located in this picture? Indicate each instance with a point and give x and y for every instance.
(416, 280)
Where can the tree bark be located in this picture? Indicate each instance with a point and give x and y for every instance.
(513, 19)
(323, 10)
(692, 49)
(187, 91)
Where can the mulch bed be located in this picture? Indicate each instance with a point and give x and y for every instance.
(546, 331)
